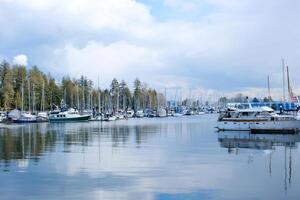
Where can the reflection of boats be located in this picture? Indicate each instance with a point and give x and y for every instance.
(258, 119)
(235, 139)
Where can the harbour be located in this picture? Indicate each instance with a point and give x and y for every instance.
(149, 100)
(157, 158)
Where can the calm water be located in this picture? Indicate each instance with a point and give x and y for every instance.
(171, 158)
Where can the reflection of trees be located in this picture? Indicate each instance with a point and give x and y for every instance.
(24, 143)
(143, 132)
(33, 140)
(119, 135)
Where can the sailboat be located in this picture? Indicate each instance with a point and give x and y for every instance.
(24, 117)
(42, 116)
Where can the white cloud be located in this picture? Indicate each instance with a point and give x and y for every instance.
(228, 46)
(121, 60)
(20, 60)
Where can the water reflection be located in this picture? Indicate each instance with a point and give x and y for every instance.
(170, 158)
(234, 141)
(31, 141)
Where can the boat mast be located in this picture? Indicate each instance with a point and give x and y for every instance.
(22, 94)
(43, 97)
(269, 91)
(283, 80)
(77, 97)
(166, 103)
(83, 101)
(29, 94)
(289, 84)
(99, 97)
(65, 96)
(33, 99)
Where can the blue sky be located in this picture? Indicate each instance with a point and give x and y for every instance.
(213, 46)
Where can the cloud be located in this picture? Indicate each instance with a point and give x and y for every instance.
(218, 45)
(120, 60)
(20, 60)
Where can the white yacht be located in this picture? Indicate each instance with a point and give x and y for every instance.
(162, 112)
(257, 119)
(139, 114)
(67, 115)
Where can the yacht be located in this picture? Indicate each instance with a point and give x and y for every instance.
(139, 114)
(67, 115)
(161, 112)
(42, 117)
(257, 119)
(129, 113)
(25, 118)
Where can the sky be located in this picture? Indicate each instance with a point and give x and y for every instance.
(210, 46)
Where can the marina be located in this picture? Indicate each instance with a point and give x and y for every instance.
(129, 159)
(149, 100)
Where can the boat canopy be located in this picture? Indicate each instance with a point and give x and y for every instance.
(257, 109)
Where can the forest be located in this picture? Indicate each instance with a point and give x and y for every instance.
(42, 92)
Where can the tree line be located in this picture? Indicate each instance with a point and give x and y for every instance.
(42, 91)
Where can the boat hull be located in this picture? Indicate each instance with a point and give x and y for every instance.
(259, 125)
(24, 121)
(69, 119)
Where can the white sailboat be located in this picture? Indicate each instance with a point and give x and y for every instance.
(23, 117)
(42, 116)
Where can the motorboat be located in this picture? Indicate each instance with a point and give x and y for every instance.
(139, 114)
(161, 112)
(257, 119)
(67, 115)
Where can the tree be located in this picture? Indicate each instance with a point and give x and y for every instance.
(255, 100)
(137, 94)
(114, 92)
(8, 90)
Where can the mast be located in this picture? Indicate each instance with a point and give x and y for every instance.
(91, 98)
(289, 84)
(269, 91)
(124, 99)
(99, 97)
(283, 80)
(166, 103)
(29, 94)
(33, 99)
(83, 101)
(43, 97)
(22, 94)
(118, 96)
(77, 97)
